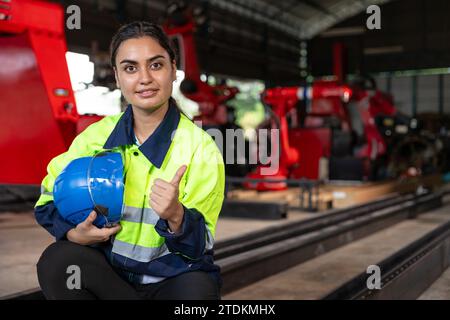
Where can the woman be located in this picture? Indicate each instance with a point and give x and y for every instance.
(174, 190)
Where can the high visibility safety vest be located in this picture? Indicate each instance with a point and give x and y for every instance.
(145, 247)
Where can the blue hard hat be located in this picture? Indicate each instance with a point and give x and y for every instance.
(91, 183)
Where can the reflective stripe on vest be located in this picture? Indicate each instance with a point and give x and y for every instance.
(141, 215)
(139, 253)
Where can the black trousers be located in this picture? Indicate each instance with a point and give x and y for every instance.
(99, 280)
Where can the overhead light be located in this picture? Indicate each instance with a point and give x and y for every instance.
(383, 50)
(344, 31)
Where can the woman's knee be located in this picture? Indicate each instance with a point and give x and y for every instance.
(58, 256)
(50, 255)
(197, 285)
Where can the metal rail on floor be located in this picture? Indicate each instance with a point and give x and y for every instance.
(277, 233)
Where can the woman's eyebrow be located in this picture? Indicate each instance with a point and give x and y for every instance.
(135, 62)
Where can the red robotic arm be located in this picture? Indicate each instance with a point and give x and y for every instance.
(211, 99)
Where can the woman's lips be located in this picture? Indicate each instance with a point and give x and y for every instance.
(147, 93)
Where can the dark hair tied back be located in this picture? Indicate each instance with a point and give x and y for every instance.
(140, 29)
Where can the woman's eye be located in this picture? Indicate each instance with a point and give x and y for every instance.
(130, 68)
(156, 66)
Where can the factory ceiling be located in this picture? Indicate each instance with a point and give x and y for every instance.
(262, 39)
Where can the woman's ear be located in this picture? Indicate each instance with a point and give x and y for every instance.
(116, 77)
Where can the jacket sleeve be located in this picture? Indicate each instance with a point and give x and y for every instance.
(45, 212)
(202, 200)
(48, 217)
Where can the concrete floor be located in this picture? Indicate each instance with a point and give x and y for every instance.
(22, 241)
(315, 278)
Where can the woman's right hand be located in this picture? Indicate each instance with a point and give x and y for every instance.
(86, 233)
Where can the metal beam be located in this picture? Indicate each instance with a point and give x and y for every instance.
(313, 4)
(261, 12)
(282, 9)
(341, 11)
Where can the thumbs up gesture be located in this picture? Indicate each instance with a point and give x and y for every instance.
(164, 200)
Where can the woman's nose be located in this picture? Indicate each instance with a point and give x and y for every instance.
(145, 76)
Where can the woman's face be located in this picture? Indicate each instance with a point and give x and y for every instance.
(144, 73)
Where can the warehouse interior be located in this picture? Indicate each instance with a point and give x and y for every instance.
(347, 102)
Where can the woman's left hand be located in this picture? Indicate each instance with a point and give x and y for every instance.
(164, 200)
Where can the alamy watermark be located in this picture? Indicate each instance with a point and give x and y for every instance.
(73, 21)
(374, 20)
(374, 280)
(263, 149)
(74, 279)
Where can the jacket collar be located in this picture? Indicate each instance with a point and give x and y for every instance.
(156, 146)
